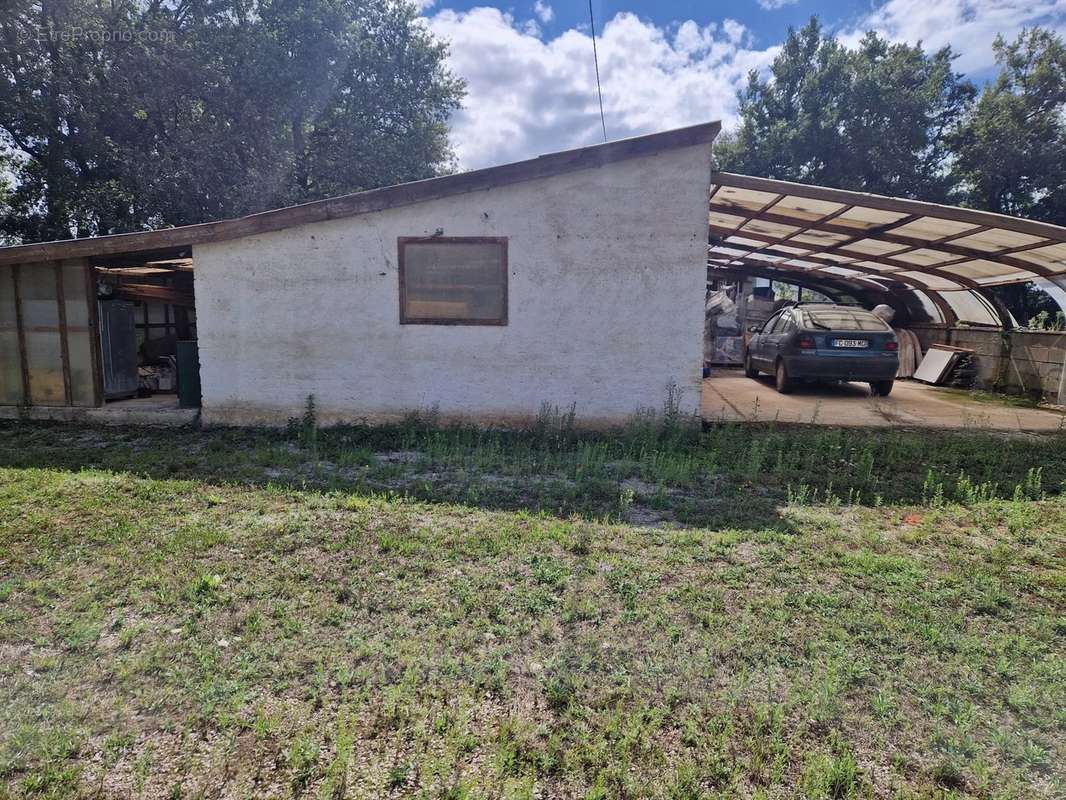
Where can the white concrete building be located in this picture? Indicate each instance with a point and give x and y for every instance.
(575, 278)
(597, 273)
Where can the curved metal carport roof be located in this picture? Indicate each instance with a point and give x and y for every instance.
(945, 257)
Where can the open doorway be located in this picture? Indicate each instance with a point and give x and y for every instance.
(110, 338)
(146, 310)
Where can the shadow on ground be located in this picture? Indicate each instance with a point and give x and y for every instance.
(651, 473)
(558, 481)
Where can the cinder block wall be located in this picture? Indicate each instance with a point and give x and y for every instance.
(606, 291)
(1034, 365)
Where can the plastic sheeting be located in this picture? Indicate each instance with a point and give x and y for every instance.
(910, 352)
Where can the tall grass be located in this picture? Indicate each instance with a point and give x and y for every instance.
(666, 448)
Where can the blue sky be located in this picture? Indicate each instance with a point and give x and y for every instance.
(767, 24)
(531, 86)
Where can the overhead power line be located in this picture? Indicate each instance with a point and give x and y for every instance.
(596, 61)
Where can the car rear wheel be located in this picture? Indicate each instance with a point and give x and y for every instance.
(881, 388)
(749, 369)
(784, 383)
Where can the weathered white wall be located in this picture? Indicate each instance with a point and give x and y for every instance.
(607, 277)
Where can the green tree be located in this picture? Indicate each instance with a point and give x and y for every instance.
(1012, 147)
(876, 118)
(366, 99)
(132, 114)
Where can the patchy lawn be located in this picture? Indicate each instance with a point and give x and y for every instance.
(410, 612)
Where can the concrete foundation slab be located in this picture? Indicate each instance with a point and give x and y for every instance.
(159, 409)
(729, 396)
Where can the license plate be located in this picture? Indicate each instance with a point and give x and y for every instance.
(850, 343)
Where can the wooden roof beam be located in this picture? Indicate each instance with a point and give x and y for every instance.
(885, 260)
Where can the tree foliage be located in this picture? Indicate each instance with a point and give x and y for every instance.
(120, 115)
(1012, 147)
(891, 119)
(876, 118)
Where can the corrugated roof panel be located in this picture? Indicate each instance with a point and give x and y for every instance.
(730, 251)
(969, 307)
(805, 208)
(847, 273)
(769, 229)
(808, 265)
(933, 228)
(1052, 257)
(934, 282)
(886, 268)
(749, 199)
(940, 248)
(1004, 280)
(726, 220)
(863, 217)
(743, 240)
(928, 306)
(997, 239)
(820, 238)
(770, 257)
(926, 257)
(980, 268)
(873, 247)
(787, 248)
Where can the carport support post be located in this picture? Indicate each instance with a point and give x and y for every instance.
(1062, 380)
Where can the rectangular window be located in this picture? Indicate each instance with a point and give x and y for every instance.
(844, 319)
(453, 280)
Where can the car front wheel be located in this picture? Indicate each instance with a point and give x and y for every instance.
(784, 383)
(881, 388)
(749, 369)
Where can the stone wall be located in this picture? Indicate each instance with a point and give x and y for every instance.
(1016, 361)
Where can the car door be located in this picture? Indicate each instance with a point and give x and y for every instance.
(775, 342)
(759, 342)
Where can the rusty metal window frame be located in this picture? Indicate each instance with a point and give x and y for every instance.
(404, 241)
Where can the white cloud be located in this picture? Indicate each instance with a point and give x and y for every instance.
(424, 5)
(969, 26)
(527, 96)
(545, 13)
(773, 5)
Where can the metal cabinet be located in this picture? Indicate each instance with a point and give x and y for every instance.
(118, 348)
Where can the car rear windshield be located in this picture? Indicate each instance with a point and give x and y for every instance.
(843, 319)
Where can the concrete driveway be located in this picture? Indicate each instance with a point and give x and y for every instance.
(729, 396)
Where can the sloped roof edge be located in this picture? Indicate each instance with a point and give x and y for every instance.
(369, 201)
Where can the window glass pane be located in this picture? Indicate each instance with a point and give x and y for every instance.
(79, 340)
(7, 299)
(74, 293)
(79, 345)
(44, 356)
(10, 364)
(839, 319)
(10, 368)
(37, 284)
(970, 307)
(454, 281)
